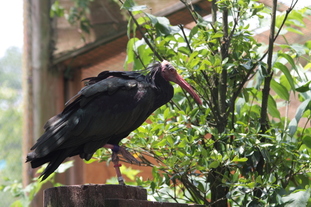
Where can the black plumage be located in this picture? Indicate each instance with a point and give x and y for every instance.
(105, 111)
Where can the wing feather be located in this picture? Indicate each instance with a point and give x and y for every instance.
(105, 111)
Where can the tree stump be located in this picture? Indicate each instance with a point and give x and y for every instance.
(102, 196)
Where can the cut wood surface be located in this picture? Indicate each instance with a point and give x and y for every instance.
(102, 196)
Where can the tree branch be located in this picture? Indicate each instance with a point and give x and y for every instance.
(185, 37)
(214, 11)
(281, 27)
(223, 76)
(267, 80)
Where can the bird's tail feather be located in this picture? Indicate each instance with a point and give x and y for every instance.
(54, 159)
(53, 137)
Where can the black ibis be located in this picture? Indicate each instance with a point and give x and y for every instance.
(105, 111)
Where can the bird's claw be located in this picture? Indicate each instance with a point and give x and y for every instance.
(128, 156)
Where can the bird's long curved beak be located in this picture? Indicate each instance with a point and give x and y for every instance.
(170, 74)
(182, 83)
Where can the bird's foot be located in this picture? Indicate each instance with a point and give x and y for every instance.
(115, 159)
(128, 156)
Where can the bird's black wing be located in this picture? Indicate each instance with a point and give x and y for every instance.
(104, 75)
(106, 110)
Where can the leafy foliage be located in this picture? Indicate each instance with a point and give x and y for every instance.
(227, 150)
(26, 194)
(77, 15)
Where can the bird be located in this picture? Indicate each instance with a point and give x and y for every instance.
(102, 113)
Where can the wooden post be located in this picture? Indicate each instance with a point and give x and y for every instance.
(102, 196)
(43, 85)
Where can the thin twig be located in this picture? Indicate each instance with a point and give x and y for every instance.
(281, 27)
(193, 190)
(143, 35)
(235, 24)
(185, 37)
(191, 10)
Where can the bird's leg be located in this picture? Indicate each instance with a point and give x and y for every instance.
(115, 159)
(117, 165)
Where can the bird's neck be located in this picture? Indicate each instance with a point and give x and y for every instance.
(164, 90)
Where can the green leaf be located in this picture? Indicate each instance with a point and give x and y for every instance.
(304, 88)
(289, 59)
(193, 32)
(298, 198)
(184, 50)
(217, 35)
(214, 164)
(128, 4)
(183, 144)
(162, 25)
(17, 203)
(292, 127)
(301, 109)
(137, 8)
(129, 27)
(272, 108)
(308, 44)
(285, 83)
(237, 159)
(57, 10)
(161, 143)
(152, 18)
(307, 140)
(299, 49)
(64, 166)
(297, 31)
(129, 172)
(131, 56)
(287, 74)
(294, 122)
(202, 22)
(280, 90)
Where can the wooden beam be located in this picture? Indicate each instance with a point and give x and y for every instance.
(71, 55)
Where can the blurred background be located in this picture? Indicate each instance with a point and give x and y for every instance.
(11, 43)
